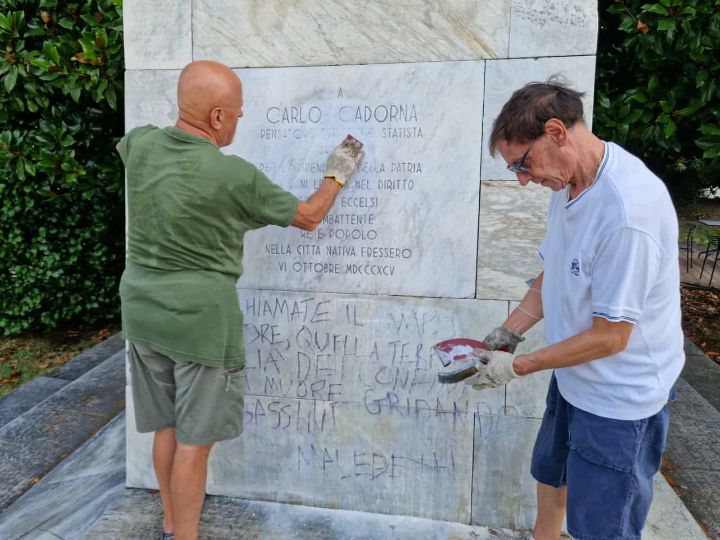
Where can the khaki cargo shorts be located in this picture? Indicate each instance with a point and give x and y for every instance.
(204, 404)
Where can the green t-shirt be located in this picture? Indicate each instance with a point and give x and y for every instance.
(188, 208)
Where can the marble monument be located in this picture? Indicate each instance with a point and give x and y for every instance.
(433, 240)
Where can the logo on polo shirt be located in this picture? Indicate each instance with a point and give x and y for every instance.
(575, 267)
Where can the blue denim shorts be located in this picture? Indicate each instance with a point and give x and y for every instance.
(607, 465)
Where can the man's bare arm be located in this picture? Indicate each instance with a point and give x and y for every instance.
(311, 212)
(603, 339)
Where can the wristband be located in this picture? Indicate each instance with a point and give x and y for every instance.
(530, 314)
(341, 183)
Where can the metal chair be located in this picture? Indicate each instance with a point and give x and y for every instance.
(687, 246)
(713, 248)
(717, 255)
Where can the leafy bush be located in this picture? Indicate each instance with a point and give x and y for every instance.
(61, 201)
(658, 88)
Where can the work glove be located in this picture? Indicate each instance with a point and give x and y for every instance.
(343, 161)
(494, 368)
(503, 339)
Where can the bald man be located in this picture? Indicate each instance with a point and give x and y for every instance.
(189, 206)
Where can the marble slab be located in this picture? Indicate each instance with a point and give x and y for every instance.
(512, 226)
(262, 33)
(525, 396)
(376, 237)
(406, 225)
(503, 77)
(150, 98)
(338, 383)
(389, 462)
(138, 457)
(503, 489)
(308, 353)
(157, 34)
(553, 28)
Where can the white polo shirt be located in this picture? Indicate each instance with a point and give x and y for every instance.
(612, 252)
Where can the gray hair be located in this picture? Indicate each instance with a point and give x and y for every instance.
(522, 119)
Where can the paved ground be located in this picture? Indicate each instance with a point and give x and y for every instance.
(83, 496)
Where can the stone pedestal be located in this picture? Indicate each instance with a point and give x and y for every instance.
(433, 240)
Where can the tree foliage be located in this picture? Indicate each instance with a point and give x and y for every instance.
(658, 88)
(61, 202)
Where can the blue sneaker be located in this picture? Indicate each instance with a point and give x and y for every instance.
(168, 536)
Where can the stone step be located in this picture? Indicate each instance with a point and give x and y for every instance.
(27, 396)
(34, 392)
(91, 358)
(692, 456)
(66, 502)
(137, 516)
(38, 439)
(702, 374)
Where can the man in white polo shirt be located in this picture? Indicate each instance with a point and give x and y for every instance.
(609, 295)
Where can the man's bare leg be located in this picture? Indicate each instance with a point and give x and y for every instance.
(187, 488)
(551, 511)
(163, 456)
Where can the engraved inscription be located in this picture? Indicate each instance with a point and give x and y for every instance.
(399, 226)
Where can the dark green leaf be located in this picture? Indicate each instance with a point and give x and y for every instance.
(653, 84)
(50, 51)
(669, 129)
(20, 169)
(41, 63)
(5, 23)
(701, 78)
(655, 8)
(66, 22)
(10, 79)
(89, 19)
(708, 129)
(111, 97)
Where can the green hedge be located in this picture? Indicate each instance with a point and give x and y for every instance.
(658, 88)
(61, 200)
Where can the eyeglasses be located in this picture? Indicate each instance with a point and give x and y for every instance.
(519, 165)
